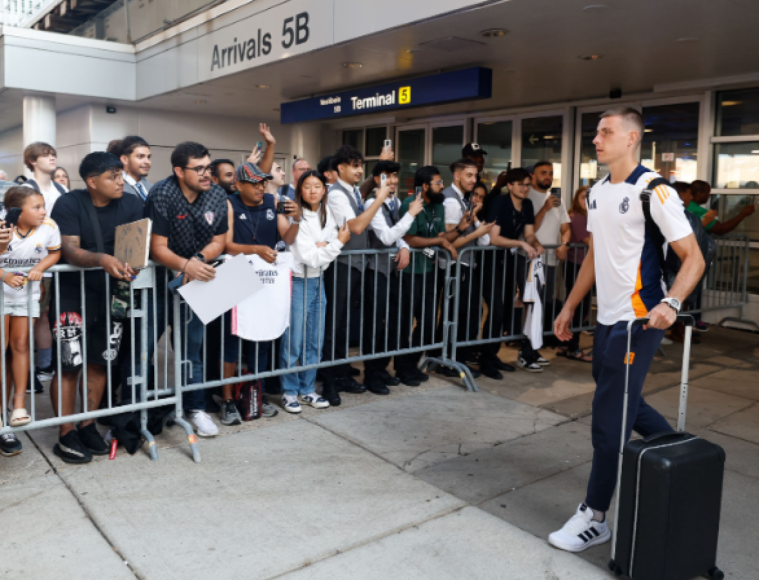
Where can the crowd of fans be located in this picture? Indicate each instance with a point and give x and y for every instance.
(207, 208)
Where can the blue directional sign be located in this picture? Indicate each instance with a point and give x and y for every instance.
(462, 85)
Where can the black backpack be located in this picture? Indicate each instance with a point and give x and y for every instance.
(670, 265)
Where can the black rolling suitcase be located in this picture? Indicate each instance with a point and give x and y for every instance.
(669, 490)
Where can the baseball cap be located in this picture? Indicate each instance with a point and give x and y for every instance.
(472, 149)
(251, 173)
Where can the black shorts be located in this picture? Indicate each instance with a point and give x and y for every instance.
(103, 342)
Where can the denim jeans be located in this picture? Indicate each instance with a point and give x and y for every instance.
(192, 350)
(304, 339)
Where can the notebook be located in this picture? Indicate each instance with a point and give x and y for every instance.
(132, 245)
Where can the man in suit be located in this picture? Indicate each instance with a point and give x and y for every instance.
(300, 166)
(135, 154)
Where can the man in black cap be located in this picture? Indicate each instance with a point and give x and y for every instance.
(476, 153)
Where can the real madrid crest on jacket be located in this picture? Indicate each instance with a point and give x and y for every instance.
(189, 227)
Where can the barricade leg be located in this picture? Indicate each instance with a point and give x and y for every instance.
(178, 331)
(451, 294)
(144, 369)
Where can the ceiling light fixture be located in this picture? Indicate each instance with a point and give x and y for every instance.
(595, 8)
(352, 65)
(201, 102)
(263, 86)
(493, 32)
(688, 39)
(590, 57)
(755, 152)
(731, 103)
(648, 130)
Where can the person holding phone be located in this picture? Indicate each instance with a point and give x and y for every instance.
(254, 228)
(35, 241)
(318, 243)
(384, 301)
(552, 228)
(461, 217)
(344, 278)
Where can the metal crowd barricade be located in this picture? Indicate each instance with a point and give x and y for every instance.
(726, 284)
(135, 395)
(493, 291)
(409, 314)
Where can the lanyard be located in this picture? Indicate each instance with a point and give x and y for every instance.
(430, 224)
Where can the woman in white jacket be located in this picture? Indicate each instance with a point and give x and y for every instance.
(318, 243)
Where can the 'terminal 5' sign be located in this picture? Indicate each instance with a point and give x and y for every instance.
(462, 85)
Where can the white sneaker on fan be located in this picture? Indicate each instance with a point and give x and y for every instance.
(580, 532)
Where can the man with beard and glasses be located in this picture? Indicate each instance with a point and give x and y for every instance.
(426, 231)
(189, 214)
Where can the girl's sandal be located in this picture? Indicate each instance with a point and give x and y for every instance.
(20, 417)
(580, 356)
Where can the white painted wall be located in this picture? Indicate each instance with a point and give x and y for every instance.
(11, 152)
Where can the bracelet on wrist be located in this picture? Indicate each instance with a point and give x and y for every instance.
(184, 268)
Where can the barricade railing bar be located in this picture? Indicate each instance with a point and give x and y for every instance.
(434, 312)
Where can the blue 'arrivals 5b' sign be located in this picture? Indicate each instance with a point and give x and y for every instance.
(462, 85)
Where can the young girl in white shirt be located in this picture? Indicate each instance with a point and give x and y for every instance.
(318, 243)
(34, 241)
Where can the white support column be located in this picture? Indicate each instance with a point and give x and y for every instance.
(305, 142)
(39, 119)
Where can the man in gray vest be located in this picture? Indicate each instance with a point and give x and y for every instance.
(135, 155)
(343, 278)
(384, 306)
(460, 215)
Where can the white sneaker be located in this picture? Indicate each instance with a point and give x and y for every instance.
(290, 404)
(580, 532)
(315, 401)
(203, 423)
(542, 361)
(529, 366)
(666, 341)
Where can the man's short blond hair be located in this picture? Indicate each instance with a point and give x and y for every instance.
(629, 115)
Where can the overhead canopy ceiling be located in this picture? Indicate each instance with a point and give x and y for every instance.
(540, 60)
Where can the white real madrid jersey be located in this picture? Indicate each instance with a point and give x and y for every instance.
(28, 251)
(628, 275)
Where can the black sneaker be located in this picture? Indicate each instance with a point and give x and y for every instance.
(420, 376)
(388, 379)
(408, 379)
(349, 385)
(354, 372)
(375, 385)
(92, 440)
(447, 372)
(38, 387)
(9, 445)
(71, 450)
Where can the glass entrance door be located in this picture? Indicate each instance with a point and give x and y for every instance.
(411, 145)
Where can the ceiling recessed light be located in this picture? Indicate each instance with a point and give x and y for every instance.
(731, 103)
(263, 86)
(595, 8)
(755, 152)
(352, 65)
(590, 57)
(494, 32)
(688, 39)
(201, 102)
(648, 130)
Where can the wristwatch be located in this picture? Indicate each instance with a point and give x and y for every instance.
(565, 244)
(200, 257)
(673, 303)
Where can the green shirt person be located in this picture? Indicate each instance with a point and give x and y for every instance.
(428, 229)
(700, 191)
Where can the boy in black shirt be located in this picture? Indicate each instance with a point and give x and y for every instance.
(514, 216)
(88, 245)
(189, 216)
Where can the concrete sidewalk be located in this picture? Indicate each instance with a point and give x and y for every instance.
(428, 483)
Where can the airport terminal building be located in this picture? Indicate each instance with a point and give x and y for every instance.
(524, 79)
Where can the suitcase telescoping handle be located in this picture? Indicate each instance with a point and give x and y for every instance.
(687, 320)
